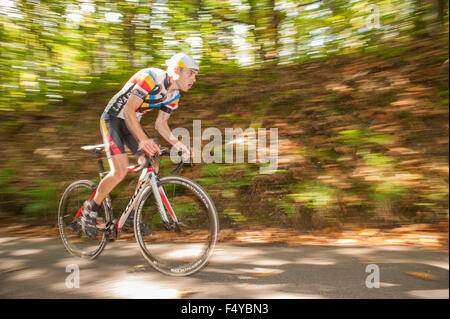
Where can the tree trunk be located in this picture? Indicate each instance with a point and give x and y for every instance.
(440, 7)
(253, 15)
(420, 24)
(129, 31)
(272, 31)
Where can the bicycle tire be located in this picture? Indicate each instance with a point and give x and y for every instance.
(74, 239)
(185, 249)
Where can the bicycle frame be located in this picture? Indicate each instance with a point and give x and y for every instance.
(147, 179)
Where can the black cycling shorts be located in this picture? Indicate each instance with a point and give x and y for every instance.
(116, 135)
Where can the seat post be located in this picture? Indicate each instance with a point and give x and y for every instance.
(98, 154)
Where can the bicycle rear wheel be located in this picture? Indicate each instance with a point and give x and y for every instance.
(73, 237)
(183, 248)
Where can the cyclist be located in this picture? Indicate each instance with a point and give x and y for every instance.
(120, 124)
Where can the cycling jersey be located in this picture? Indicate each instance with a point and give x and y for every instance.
(149, 84)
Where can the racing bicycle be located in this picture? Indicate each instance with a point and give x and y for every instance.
(181, 216)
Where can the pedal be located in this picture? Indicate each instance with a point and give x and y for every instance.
(111, 232)
(170, 226)
(75, 226)
(180, 227)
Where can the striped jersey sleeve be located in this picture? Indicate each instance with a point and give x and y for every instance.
(143, 82)
(171, 105)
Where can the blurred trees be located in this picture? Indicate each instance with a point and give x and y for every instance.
(50, 49)
(363, 122)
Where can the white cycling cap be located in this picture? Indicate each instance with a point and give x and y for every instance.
(182, 60)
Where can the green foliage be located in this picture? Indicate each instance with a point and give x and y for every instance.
(314, 194)
(387, 190)
(231, 117)
(187, 209)
(42, 200)
(215, 169)
(8, 184)
(376, 159)
(234, 215)
(58, 50)
(360, 137)
(206, 180)
(7, 175)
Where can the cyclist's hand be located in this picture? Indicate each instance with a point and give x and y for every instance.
(141, 159)
(187, 155)
(149, 147)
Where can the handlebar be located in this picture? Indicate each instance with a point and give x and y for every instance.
(164, 152)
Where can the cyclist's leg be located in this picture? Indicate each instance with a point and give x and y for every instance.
(118, 165)
(117, 158)
(131, 142)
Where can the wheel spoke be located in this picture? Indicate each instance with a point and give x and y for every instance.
(74, 239)
(182, 247)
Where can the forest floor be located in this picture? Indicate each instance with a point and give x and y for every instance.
(426, 236)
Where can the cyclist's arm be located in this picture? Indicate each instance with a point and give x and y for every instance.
(132, 123)
(162, 126)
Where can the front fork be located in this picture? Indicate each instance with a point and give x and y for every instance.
(162, 201)
(151, 179)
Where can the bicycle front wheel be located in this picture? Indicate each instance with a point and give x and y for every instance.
(177, 248)
(69, 221)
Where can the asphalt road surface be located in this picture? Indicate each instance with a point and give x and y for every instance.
(41, 268)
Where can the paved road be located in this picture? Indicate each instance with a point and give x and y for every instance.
(36, 268)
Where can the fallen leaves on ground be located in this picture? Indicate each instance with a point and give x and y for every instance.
(263, 274)
(184, 293)
(422, 275)
(428, 236)
(27, 230)
(12, 269)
